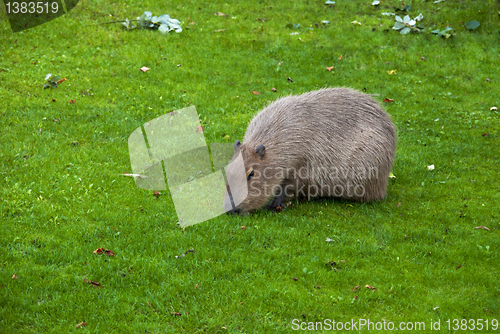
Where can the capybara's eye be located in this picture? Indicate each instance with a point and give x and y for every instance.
(250, 175)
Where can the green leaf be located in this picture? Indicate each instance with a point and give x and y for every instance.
(289, 25)
(55, 79)
(46, 86)
(163, 29)
(53, 84)
(398, 25)
(405, 30)
(471, 25)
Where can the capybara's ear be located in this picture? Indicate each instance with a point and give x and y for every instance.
(260, 150)
(236, 144)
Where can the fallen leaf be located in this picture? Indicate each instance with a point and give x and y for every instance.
(370, 287)
(487, 80)
(14, 276)
(356, 297)
(392, 176)
(273, 90)
(175, 313)
(278, 208)
(482, 227)
(290, 79)
(391, 72)
(81, 324)
(422, 58)
(485, 134)
(190, 251)
(355, 288)
(493, 108)
(255, 92)
(223, 327)
(330, 68)
(221, 14)
(144, 69)
(199, 129)
(71, 101)
(156, 193)
(196, 287)
(356, 22)
(388, 100)
(295, 279)
(397, 206)
(91, 282)
(459, 266)
(109, 253)
(151, 306)
(243, 227)
(340, 58)
(99, 250)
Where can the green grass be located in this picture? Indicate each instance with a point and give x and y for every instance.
(61, 196)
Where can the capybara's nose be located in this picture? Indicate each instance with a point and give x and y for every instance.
(234, 211)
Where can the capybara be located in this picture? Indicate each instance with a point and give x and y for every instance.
(333, 142)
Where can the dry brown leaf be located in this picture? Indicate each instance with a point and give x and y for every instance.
(14, 276)
(221, 14)
(355, 288)
(459, 266)
(151, 306)
(199, 129)
(273, 89)
(330, 68)
(223, 327)
(243, 227)
(397, 206)
(482, 227)
(109, 252)
(99, 250)
(92, 282)
(356, 297)
(81, 324)
(175, 313)
(196, 287)
(156, 193)
(340, 58)
(255, 92)
(370, 287)
(63, 79)
(388, 100)
(71, 101)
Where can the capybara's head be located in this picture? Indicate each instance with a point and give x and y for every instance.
(247, 189)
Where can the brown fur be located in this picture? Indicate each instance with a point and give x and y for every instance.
(332, 129)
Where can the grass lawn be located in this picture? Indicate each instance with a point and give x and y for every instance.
(62, 195)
